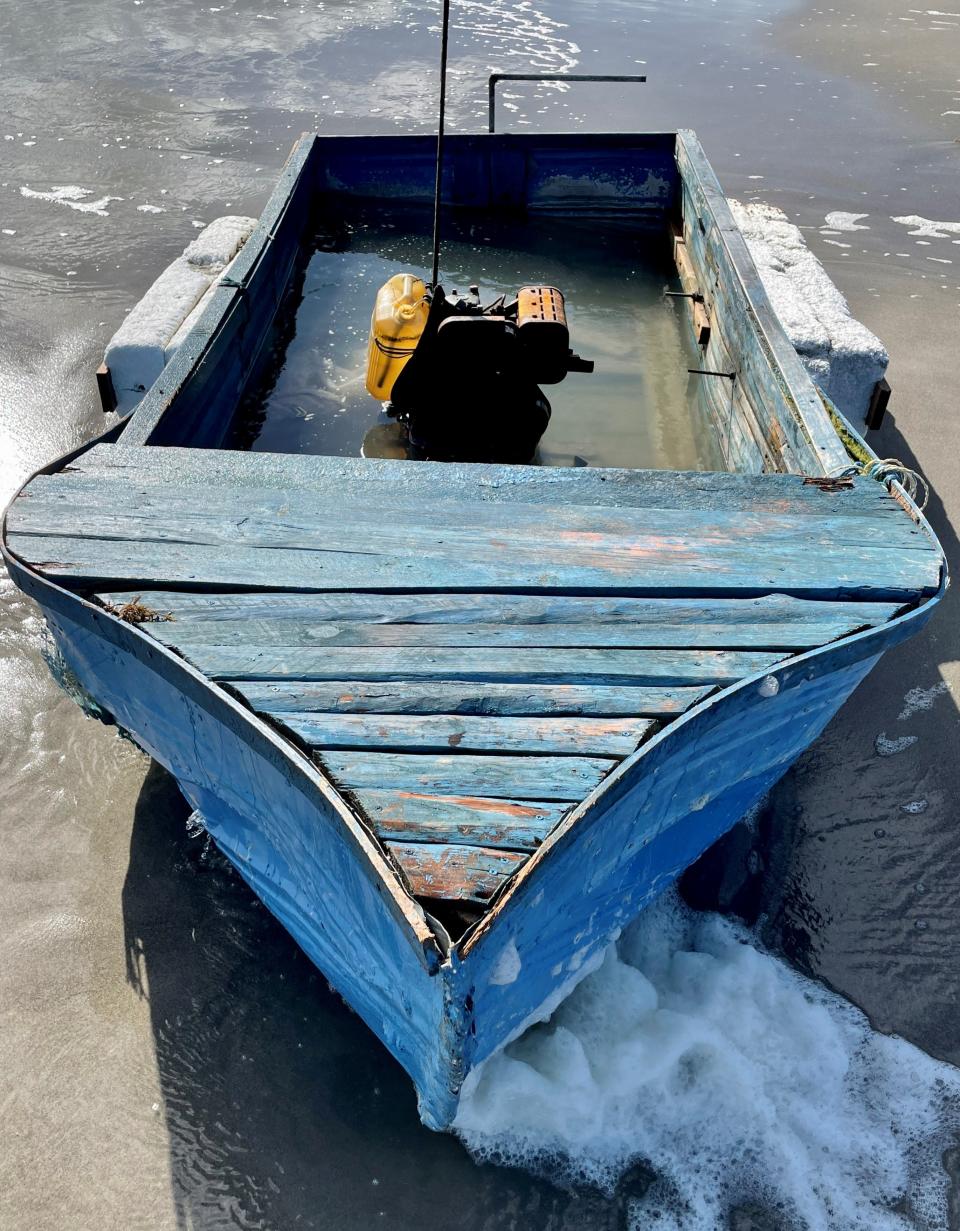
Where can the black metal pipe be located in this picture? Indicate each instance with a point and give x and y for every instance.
(710, 372)
(438, 188)
(495, 77)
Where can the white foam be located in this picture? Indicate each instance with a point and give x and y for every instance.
(927, 227)
(840, 220)
(73, 196)
(844, 358)
(916, 699)
(731, 1076)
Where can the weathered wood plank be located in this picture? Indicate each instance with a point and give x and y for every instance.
(508, 824)
(280, 698)
(241, 662)
(679, 565)
(459, 873)
(209, 608)
(383, 481)
(289, 634)
(499, 777)
(276, 518)
(610, 737)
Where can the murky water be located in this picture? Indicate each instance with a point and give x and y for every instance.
(638, 408)
(167, 1057)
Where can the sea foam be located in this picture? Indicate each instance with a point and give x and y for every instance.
(732, 1077)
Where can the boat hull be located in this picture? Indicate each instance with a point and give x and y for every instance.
(441, 1015)
(162, 508)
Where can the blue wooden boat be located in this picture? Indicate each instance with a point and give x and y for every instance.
(456, 724)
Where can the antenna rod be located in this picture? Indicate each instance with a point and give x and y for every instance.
(444, 31)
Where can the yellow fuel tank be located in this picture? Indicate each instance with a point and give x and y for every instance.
(399, 315)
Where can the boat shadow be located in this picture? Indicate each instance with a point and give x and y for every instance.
(282, 1108)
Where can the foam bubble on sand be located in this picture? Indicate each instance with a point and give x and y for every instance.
(734, 1078)
(917, 699)
(927, 227)
(840, 220)
(890, 747)
(74, 197)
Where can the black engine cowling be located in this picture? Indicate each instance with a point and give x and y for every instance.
(471, 389)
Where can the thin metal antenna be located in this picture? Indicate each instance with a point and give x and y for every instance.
(444, 31)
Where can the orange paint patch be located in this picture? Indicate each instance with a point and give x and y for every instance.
(478, 804)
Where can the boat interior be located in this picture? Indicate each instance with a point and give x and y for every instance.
(471, 651)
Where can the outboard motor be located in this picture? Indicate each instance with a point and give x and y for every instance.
(465, 379)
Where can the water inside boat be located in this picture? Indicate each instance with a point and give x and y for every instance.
(639, 408)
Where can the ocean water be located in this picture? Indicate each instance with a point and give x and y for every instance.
(168, 1058)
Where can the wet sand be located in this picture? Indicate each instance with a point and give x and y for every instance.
(168, 1058)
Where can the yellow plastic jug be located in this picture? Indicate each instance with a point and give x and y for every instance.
(399, 316)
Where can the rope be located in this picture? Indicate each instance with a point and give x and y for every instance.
(889, 469)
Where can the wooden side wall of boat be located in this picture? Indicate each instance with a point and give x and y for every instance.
(763, 406)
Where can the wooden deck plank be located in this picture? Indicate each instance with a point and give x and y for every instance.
(564, 779)
(508, 824)
(82, 529)
(678, 565)
(611, 737)
(383, 480)
(197, 608)
(290, 634)
(280, 698)
(243, 662)
(277, 518)
(459, 873)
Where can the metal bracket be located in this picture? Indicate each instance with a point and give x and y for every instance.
(879, 399)
(710, 372)
(495, 77)
(108, 395)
